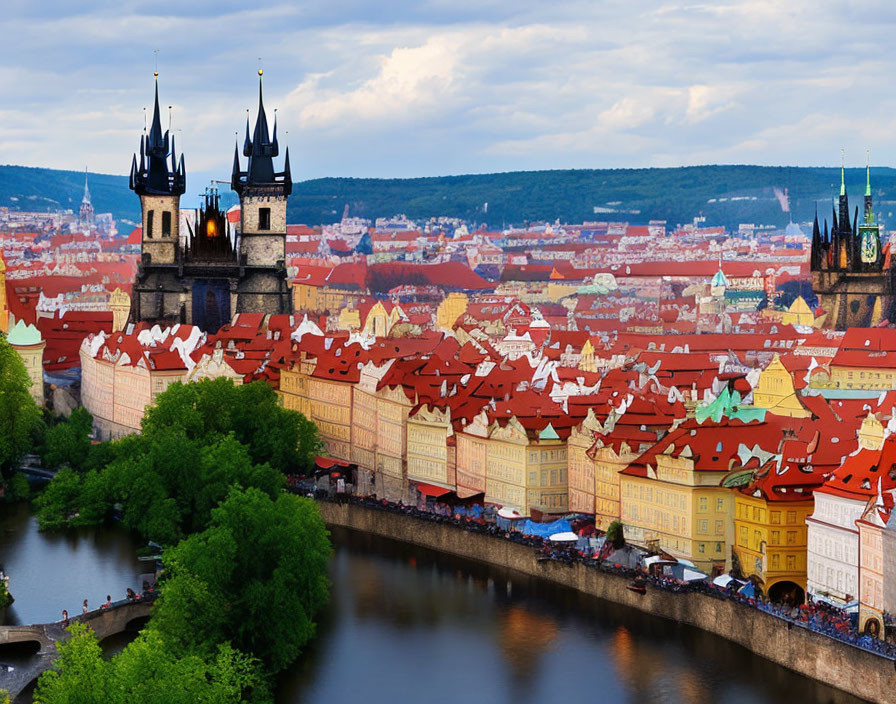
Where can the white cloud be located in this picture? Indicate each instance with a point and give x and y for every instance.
(409, 88)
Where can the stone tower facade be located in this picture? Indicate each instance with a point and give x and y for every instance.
(263, 192)
(852, 275)
(204, 276)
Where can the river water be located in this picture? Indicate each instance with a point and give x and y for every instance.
(405, 625)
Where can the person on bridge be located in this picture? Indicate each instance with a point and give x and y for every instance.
(84, 608)
(65, 618)
(108, 602)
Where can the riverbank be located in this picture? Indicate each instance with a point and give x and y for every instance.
(834, 663)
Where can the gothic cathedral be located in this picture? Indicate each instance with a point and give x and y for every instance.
(205, 275)
(851, 272)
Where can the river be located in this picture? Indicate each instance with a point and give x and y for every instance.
(405, 624)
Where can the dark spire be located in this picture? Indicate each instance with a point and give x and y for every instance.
(261, 150)
(247, 143)
(154, 176)
(828, 246)
(816, 243)
(235, 172)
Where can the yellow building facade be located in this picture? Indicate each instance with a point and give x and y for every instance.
(430, 458)
(581, 466)
(392, 409)
(294, 393)
(771, 539)
(526, 473)
(27, 342)
(607, 465)
(120, 305)
(331, 411)
(472, 456)
(775, 392)
(450, 309)
(799, 313)
(680, 510)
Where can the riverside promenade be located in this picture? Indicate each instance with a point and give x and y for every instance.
(835, 663)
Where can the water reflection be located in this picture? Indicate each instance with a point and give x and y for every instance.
(50, 572)
(406, 624)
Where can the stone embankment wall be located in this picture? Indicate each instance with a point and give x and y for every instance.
(839, 665)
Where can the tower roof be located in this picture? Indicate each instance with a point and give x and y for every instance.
(86, 198)
(261, 149)
(868, 173)
(153, 175)
(842, 172)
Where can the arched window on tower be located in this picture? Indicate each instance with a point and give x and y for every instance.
(149, 219)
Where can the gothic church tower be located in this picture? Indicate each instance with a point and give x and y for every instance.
(263, 193)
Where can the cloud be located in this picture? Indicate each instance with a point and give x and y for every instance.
(412, 88)
(410, 81)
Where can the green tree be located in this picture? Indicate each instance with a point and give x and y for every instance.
(80, 674)
(68, 442)
(60, 500)
(147, 672)
(616, 534)
(255, 578)
(250, 412)
(20, 418)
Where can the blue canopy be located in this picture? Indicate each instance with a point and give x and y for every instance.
(545, 529)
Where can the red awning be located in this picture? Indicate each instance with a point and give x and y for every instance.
(328, 462)
(432, 489)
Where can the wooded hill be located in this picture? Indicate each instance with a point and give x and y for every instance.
(724, 195)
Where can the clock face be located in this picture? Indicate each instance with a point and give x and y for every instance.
(869, 247)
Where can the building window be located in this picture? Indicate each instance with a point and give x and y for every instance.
(720, 505)
(264, 218)
(149, 218)
(703, 503)
(166, 223)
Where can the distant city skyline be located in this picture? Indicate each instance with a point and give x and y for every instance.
(423, 89)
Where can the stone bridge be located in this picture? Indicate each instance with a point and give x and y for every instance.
(119, 617)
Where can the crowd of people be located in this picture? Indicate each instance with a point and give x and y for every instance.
(148, 593)
(816, 616)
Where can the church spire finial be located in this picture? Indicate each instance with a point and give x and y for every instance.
(867, 172)
(842, 172)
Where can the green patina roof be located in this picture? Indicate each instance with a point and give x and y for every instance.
(727, 405)
(548, 433)
(22, 334)
(719, 279)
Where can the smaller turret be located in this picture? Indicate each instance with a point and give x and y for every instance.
(153, 175)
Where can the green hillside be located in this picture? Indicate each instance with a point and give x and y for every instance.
(725, 195)
(26, 188)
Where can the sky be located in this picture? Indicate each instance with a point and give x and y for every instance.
(403, 88)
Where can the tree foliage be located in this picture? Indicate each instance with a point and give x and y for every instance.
(255, 578)
(20, 418)
(147, 672)
(198, 441)
(616, 534)
(68, 441)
